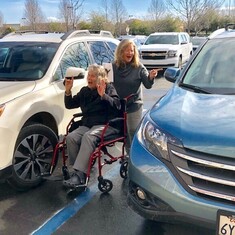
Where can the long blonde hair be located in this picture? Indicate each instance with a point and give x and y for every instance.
(120, 50)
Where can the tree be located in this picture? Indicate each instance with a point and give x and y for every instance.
(156, 9)
(119, 13)
(191, 10)
(1, 19)
(71, 11)
(33, 14)
(104, 4)
(97, 21)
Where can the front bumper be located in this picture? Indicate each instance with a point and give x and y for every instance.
(166, 199)
(151, 64)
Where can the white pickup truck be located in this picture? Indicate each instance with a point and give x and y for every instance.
(166, 49)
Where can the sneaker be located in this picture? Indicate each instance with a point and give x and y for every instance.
(76, 178)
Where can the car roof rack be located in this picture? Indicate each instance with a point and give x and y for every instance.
(86, 32)
(230, 26)
(21, 32)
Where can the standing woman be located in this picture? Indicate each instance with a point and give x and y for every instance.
(128, 76)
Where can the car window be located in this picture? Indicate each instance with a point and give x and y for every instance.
(3, 56)
(75, 56)
(100, 52)
(112, 46)
(183, 38)
(23, 62)
(162, 39)
(214, 67)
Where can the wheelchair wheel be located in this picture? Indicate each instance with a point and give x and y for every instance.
(105, 185)
(124, 169)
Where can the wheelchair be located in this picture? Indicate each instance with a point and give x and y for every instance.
(101, 151)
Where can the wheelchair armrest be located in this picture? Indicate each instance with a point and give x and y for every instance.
(77, 115)
(115, 120)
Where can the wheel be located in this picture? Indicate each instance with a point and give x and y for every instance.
(124, 169)
(32, 156)
(180, 63)
(105, 185)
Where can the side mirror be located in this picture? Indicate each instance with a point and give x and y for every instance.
(76, 73)
(171, 74)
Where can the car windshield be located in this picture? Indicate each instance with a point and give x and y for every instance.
(162, 39)
(20, 61)
(213, 68)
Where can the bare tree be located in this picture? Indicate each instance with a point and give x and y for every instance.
(1, 19)
(71, 11)
(119, 13)
(33, 14)
(190, 10)
(97, 20)
(156, 9)
(104, 4)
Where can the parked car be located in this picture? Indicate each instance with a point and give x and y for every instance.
(197, 41)
(137, 39)
(32, 113)
(182, 160)
(166, 49)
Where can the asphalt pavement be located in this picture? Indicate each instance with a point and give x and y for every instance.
(48, 209)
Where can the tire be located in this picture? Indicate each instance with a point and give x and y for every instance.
(124, 169)
(32, 156)
(105, 185)
(180, 63)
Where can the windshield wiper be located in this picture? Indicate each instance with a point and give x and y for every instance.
(194, 88)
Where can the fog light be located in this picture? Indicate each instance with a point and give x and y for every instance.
(140, 194)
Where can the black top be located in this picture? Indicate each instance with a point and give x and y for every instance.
(96, 110)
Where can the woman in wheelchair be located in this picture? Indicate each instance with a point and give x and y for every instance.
(99, 103)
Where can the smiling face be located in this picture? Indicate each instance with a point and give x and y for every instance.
(91, 79)
(128, 53)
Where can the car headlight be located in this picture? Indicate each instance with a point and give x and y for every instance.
(172, 53)
(156, 140)
(2, 107)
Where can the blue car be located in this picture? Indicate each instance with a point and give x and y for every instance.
(182, 160)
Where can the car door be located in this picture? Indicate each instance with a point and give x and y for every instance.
(76, 55)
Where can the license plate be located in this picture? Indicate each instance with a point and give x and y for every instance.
(225, 223)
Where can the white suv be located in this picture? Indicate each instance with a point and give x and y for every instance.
(32, 113)
(166, 49)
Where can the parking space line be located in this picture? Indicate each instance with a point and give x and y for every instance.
(57, 220)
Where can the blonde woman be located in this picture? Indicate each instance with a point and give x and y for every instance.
(128, 76)
(99, 103)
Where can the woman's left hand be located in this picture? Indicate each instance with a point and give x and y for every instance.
(153, 73)
(101, 88)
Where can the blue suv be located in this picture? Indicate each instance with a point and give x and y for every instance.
(182, 160)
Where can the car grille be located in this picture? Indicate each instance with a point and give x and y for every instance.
(154, 55)
(207, 175)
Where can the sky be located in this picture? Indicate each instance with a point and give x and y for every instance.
(13, 10)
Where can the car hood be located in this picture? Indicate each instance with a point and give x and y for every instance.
(12, 90)
(163, 47)
(202, 122)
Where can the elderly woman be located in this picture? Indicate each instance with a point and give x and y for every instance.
(99, 103)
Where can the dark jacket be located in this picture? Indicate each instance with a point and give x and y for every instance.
(128, 80)
(96, 110)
